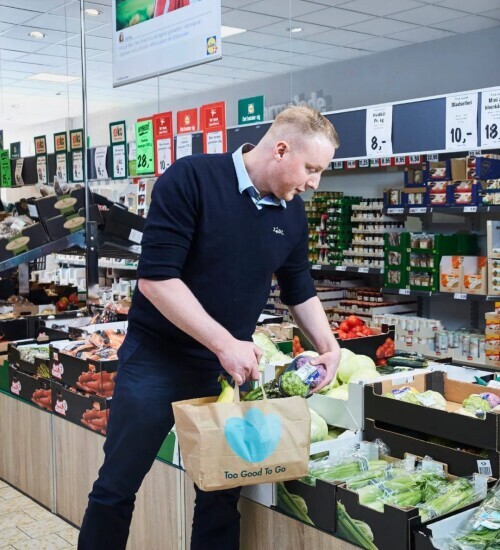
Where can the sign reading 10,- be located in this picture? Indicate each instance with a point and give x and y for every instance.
(461, 121)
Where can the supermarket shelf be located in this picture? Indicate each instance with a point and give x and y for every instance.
(454, 296)
(348, 269)
(75, 240)
(81, 263)
(423, 210)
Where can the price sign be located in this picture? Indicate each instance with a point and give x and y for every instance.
(386, 161)
(184, 145)
(400, 161)
(351, 164)
(433, 158)
(379, 131)
(132, 152)
(41, 169)
(145, 147)
(338, 165)
(460, 296)
(164, 154)
(119, 161)
(490, 118)
(475, 153)
(364, 163)
(341, 268)
(419, 210)
(363, 269)
(18, 173)
(395, 210)
(461, 121)
(374, 163)
(484, 468)
(470, 208)
(404, 291)
(316, 266)
(100, 162)
(77, 166)
(415, 159)
(62, 167)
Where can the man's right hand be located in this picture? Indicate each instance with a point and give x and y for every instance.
(241, 361)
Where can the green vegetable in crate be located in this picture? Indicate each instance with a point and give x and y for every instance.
(292, 504)
(354, 530)
(457, 494)
(319, 428)
(289, 384)
(42, 371)
(475, 403)
(343, 472)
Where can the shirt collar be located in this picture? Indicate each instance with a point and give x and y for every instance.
(244, 181)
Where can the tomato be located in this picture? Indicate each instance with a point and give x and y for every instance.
(342, 334)
(354, 321)
(344, 326)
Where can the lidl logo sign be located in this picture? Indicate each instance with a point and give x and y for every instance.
(251, 110)
(211, 45)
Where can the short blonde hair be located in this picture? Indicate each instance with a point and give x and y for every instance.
(307, 122)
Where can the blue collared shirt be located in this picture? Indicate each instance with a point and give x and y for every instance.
(245, 183)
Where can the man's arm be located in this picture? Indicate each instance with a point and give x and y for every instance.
(178, 304)
(310, 317)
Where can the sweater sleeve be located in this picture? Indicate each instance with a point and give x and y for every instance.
(170, 224)
(294, 276)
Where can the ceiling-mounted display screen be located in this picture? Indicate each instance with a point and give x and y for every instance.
(154, 37)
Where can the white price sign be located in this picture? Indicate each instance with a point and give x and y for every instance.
(460, 296)
(18, 173)
(62, 167)
(341, 268)
(316, 266)
(184, 146)
(461, 121)
(119, 167)
(379, 131)
(215, 143)
(164, 154)
(363, 269)
(404, 291)
(400, 161)
(77, 166)
(338, 164)
(364, 163)
(490, 118)
(433, 158)
(41, 169)
(420, 210)
(470, 208)
(395, 210)
(132, 151)
(100, 163)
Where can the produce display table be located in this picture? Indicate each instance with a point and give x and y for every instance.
(55, 462)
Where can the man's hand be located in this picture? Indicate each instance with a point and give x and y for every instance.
(331, 361)
(241, 361)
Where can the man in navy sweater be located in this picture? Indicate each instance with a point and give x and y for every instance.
(218, 228)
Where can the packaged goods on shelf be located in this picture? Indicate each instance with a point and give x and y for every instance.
(492, 345)
(493, 239)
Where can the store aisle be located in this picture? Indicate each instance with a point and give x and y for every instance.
(25, 525)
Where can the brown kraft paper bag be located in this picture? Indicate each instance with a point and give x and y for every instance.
(225, 445)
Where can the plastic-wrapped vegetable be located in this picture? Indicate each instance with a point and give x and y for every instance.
(475, 403)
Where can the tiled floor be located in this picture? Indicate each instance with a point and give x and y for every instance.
(25, 525)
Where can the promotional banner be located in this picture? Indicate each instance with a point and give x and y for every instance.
(144, 144)
(187, 121)
(61, 149)
(18, 173)
(41, 158)
(251, 110)
(76, 146)
(490, 118)
(461, 121)
(163, 136)
(155, 37)
(213, 124)
(118, 139)
(5, 175)
(15, 150)
(100, 156)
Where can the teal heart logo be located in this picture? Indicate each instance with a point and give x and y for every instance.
(255, 436)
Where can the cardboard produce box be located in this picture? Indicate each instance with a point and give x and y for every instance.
(89, 411)
(483, 434)
(473, 274)
(449, 274)
(29, 238)
(40, 367)
(125, 224)
(34, 390)
(56, 205)
(88, 375)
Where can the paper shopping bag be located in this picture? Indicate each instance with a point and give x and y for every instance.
(225, 445)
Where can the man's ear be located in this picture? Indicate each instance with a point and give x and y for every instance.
(280, 149)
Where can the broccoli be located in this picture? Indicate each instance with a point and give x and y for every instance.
(291, 384)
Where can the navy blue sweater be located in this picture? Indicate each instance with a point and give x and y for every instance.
(201, 229)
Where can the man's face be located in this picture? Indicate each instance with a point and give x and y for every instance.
(299, 167)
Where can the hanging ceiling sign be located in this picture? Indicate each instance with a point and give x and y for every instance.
(379, 131)
(490, 118)
(213, 123)
(163, 135)
(155, 37)
(461, 121)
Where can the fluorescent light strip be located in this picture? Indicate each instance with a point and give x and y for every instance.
(230, 31)
(52, 77)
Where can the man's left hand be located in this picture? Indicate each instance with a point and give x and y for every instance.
(331, 362)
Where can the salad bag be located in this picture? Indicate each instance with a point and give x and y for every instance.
(226, 445)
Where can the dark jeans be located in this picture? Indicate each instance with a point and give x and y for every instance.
(148, 381)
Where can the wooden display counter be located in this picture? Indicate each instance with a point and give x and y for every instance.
(55, 462)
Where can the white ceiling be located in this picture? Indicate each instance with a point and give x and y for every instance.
(333, 30)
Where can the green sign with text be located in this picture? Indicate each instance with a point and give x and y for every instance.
(251, 110)
(15, 150)
(5, 175)
(145, 152)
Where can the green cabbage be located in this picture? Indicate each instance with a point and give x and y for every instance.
(271, 353)
(319, 428)
(432, 399)
(411, 397)
(341, 392)
(353, 364)
(476, 403)
(364, 375)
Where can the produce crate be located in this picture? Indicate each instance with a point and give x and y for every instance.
(41, 367)
(483, 434)
(392, 529)
(30, 237)
(89, 411)
(29, 388)
(460, 462)
(78, 373)
(13, 329)
(440, 529)
(4, 375)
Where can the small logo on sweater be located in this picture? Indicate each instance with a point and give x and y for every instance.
(278, 231)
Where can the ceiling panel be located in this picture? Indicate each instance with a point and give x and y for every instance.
(281, 30)
(380, 44)
(41, 59)
(72, 9)
(334, 17)
(421, 34)
(248, 20)
(267, 54)
(33, 5)
(469, 23)
(381, 26)
(494, 14)
(299, 46)
(254, 39)
(234, 49)
(380, 7)
(71, 52)
(94, 42)
(7, 43)
(427, 15)
(282, 9)
(57, 23)
(339, 37)
(341, 54)
(477, 6)
(104, 31)
(21, 32)
(236, 3)
(18, 15)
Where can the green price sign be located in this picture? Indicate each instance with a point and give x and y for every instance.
(5, 175)
(251, 110)
(145, 147)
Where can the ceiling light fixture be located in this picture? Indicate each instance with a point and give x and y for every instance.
(60, 93)
(294, 29)
(92, 12)
(15, 106)
(230, 31)
(53, 77)
(36, 34)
